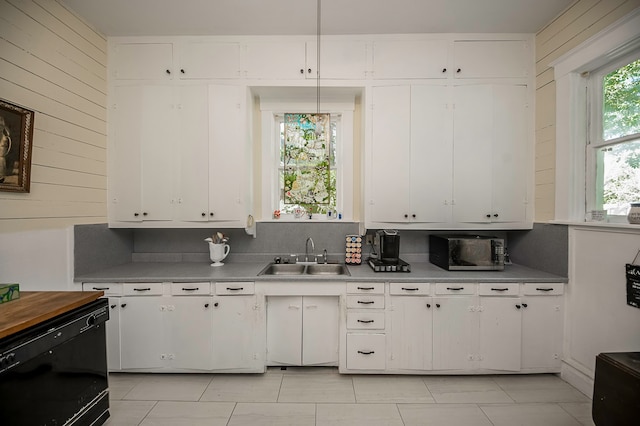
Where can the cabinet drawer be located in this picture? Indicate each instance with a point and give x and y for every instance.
(496, 289)
(372, 288)
(365, 301)
(409, 288)
(366, 351)
(142, 289)
(365, 320)
(542, 289)
(235, 287)
(455, 288)
(186, 289)
(110, 289)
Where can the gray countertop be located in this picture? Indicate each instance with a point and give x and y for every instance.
(246, 271)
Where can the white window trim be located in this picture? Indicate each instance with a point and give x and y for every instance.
(614, 42)
(271, 147)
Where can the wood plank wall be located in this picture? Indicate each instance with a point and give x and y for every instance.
(581, 20)
(56, 65)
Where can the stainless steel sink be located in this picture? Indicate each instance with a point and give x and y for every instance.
(298, 269)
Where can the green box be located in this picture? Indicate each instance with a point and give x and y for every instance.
(9, 292)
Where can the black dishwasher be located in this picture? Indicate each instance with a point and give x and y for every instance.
(55, 373)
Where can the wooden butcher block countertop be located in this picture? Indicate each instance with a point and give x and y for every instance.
(34, 307)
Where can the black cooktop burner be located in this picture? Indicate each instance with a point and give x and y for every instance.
(387, 266)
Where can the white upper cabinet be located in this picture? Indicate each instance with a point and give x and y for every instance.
(143, 61)
(208, 60)
(491, 59)
(410, 59)
(275, 60)
(338, 60)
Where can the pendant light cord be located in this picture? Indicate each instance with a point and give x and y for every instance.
(318, 57)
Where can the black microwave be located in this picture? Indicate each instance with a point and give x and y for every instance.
(467, 252)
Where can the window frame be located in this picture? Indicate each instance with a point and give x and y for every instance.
(595, 132)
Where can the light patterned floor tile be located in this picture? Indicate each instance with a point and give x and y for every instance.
(581, 411)
(443, 415)
(465, 389)
(528, 415)
(266, 414)
(128, 413)
(406, 389)
(170, 387)
(121, 383)
(358, 415)
(243, 388)
(316, 388)
(539, 388)
(172, 413)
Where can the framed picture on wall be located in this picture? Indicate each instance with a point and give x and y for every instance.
(16, 135)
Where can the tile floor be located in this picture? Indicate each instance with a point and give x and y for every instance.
(321, 396)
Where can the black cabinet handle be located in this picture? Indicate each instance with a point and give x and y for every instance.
(488, 215)
(365, 288)
(203, 214)
(428, 305)
(458, 70)
(495, 215)
(144, 213)
(410, 288)
(235, 289)
(142, 289)
(190, 289)
(437, 305)
(100, 288)
(413, 216)
(544, 289)
(136, 214)
(123, 305)
(524, 305)
(517, 306)
(309, 70)
(206, 305)
(444, 70)
(215, 304)
(365, 321)
(406, 216)
(499, 289)
(365, 302)
(455, 288)
(366, 352)
(211, 214)
(301, 71)
(168, 71)
(182, 71)
(113, 306)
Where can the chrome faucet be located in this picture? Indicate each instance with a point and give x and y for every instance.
(306, 249)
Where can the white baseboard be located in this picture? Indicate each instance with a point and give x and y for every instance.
(577, 378)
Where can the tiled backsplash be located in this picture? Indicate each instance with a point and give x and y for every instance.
(98, 247)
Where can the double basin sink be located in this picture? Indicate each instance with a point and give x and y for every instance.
(305, 269)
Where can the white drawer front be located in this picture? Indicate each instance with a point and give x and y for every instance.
(496, 289)
(365, 320)
(409, 288)
(186, 289)
(373, 288)
(455, 288)
(365, 301)
(110, 289)
(237, 287)
(366, 351)
(542, 289)
(142, 289)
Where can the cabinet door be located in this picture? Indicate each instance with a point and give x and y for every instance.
(190, 331)
(145, 133)
(338, 60)
(142, 340)
(390, 154)
(431, 161)
(203, 60)
(410, 59)
(236, 333)
(455, 332)
(500, 333)
(143, 61)
(113, 335)
(491, 58)
(509, 154)
(320, 318)
(542, 325)
(472, 153)
(282, 60)
(193, 154)
(284, 330)
(411, 333)
(228, 164)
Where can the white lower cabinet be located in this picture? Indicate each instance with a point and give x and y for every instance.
(500, 333)
(142, 332)
(190, 333)
(302, 330)
(455, 333)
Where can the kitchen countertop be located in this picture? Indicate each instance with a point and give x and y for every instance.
(34, 307)
(248, 271)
